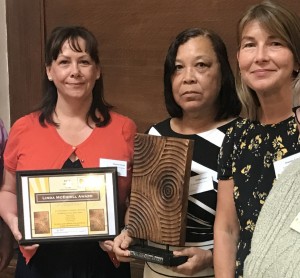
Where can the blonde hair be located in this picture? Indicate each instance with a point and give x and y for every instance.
(279, 21)
(296, 91)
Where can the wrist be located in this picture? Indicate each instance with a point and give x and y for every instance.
(125, 229)
(210, 257)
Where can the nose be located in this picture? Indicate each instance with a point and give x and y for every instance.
(75, 70)
(261, 54)
(189, 76)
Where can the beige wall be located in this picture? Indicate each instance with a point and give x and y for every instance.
(4, 93)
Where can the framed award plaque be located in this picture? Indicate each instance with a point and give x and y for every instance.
(67, 204)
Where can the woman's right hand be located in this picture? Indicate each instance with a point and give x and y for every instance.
(8, 206)
(12, 223)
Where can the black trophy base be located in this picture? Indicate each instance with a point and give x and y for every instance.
(156, 255)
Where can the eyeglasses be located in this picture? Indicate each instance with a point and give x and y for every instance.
(296, 110)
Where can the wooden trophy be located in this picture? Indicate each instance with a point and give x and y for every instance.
(159, 196)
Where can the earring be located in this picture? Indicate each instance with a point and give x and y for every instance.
(50, 79)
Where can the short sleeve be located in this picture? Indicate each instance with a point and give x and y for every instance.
(129, 131)
(226, 156)
(12, 149)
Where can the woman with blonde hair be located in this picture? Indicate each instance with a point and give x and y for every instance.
(268, 62)
(275, 244)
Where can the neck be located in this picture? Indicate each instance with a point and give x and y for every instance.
(72, 109)
(192, 124)
(275, 109)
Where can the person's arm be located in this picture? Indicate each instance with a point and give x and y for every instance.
(8, 203)
(198, 259)
(122, 242)
(226, 231)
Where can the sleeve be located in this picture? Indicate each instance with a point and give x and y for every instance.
(226, 156)
(129, 131)
(12, 149)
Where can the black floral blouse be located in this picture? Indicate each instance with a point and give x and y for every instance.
(247, 155)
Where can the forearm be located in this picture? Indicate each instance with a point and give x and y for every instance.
(226, 232)
(8, 206)
(225, 248)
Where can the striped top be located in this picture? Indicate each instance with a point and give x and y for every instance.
(203, 182)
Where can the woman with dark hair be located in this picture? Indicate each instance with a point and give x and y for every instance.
(227, 102)
(73, 128)
(201, 99)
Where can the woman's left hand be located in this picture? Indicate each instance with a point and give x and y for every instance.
(107, 245)
(198, 259)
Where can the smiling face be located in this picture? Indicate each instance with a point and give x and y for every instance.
(196, 81)
(265, 61)
(73, 73)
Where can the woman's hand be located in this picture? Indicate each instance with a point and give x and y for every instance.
(121, 243)
(13, 225)
(198, 259)
(107, 245)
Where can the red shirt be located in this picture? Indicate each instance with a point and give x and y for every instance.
(33, 147)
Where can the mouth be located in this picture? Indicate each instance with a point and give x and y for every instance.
(262, 71)
(75, 84)
(190, 93)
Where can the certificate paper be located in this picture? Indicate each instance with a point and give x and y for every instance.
(67, 204)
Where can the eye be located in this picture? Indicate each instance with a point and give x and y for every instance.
(63, 62)
(178, 67)
(276, 43)
(85, 62)
(201, 65)
(248, 45)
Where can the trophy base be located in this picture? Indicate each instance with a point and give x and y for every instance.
(156, 255)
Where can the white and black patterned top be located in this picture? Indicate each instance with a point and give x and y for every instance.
(202, 198)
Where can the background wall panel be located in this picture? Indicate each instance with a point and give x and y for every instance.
(134, 36)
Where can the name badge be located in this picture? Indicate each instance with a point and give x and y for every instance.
(296, 223)
(280, 165)
(120, 164)
(201, 183)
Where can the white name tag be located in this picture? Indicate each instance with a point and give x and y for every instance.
(201, 183)
(120, 164)
(296, 223)
(280, 165)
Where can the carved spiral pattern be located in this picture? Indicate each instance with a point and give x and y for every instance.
(159, 188)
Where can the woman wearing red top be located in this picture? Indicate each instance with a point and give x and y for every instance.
(73, 128)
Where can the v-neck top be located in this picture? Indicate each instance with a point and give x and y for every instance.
(31, 146)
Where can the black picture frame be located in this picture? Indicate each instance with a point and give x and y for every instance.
(67, 205)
